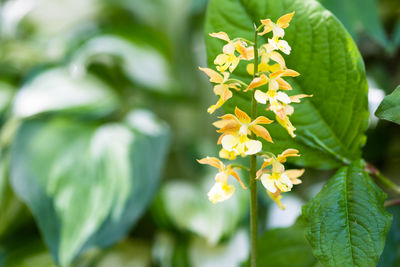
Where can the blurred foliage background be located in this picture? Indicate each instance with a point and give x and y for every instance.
(103, 113)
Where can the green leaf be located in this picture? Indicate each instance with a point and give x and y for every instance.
(346, 222)
(331, 124)
(389, 109)
(58, 90)
(282, 247)
(356, 19)
(87, 184)
(188, 208)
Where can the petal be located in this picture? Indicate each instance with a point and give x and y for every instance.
(220, 192)
(226, 94)
(213, 108)
(267, 26)
(261, 132)
(212, 161)
(266, 163)
(235, 61)
(222, 177)
(260, 97)
(290, 152)
(268, 183)
(262, 120)
(296, 98)
(278, 32)
(277, 198)
(250, 69)
(229, 48)
(282, 73)
(220, 35)
(257, 82)
(282, 84)
(294, 174)
(215, 77)
(253, 147)
(246, 52)
(225, 154)
(221, 59)
(283, 21)
(278, 58)
(230, 127)
(229, 142)
(284, 98)
(242, 116)
(237, 177)
(287, 125)
(284, 47)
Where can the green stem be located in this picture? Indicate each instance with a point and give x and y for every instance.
(382, 178)
(253, 169)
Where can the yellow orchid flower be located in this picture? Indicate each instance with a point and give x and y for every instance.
(228, 59)
(222, 87)
(221, 190)
(277, 179)
(278, 27)
(267, 54)
(235, 131)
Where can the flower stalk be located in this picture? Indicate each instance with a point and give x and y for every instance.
(253, 170)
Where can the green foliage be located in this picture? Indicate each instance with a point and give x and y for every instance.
(390, 254)
(358, 15)
(187, 206)
(331, 124)
(389, 109)
(285, 247)
(346, 221)
(87, 183)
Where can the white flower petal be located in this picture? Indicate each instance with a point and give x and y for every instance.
(253, 147)
(284, 98)
(220, 192)
(261, 97)
(268, 183)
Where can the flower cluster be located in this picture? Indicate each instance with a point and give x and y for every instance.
(241, 134)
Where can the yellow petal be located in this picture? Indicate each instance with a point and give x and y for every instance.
(261, 132)
(282, 73)
(266, 163)
(250, 68)
(262, 120)
(246, 52)
(213, 108)
(220, 35)
(268, 25)
(278, 58)
(242, 116)
(215, 77)
(287, 125)
(282, 84)
(225, 154)
(212, 161)
(290, 152)
(237, 177)
(257, 82)
(294, 175)
(283, 22)
(296, 98)
(277, 198)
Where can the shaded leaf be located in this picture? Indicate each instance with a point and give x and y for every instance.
(87, 184)
(282, 247)
(389, 109)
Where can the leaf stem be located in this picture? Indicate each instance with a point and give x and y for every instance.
(371, 169)
(253, 167)
(392, 202)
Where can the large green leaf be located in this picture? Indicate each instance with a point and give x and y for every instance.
(187, 207)
(330, 125)
(346, 222)
(389, 109)
(356, 19)
(87, 184)
(282, 247)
